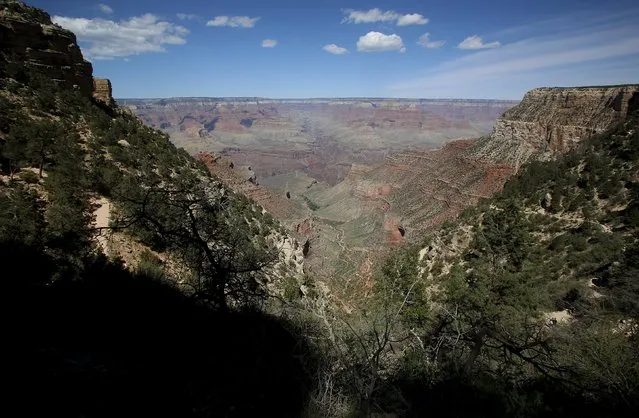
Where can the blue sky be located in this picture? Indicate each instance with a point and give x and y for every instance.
(337, 48)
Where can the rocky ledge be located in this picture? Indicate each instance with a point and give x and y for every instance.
(550, 120)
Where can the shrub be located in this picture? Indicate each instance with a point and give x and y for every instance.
(29, 177)
(150, 266)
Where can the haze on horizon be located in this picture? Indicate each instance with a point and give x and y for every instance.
(402, 49)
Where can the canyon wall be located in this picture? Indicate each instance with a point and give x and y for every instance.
(549, 121)
(430, 187)
(28, 38)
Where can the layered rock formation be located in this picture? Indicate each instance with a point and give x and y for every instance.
(400, 199)
(548, 121)
(28, 38)
(321, 137)
(102, 91)
(430, 187)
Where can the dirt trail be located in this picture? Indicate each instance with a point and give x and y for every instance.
(102, 216)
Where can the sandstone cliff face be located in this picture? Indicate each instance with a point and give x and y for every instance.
(550, 120)
(27, 37)
(102, 91)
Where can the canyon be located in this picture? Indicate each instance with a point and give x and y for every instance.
(320, 137)
(318, 165)
(354, 178)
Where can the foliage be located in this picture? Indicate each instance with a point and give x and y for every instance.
(477, 327)
(311, 205)
(163, 197)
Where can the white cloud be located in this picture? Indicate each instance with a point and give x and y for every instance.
(412, 19)
(334, 49)
(107, 39)
(369, 16)
(377, 15)
(233, 21)
(269, 43)
(378, 42)
(594, 52)
(425, 41)
(186, 16)
(105, 8)
(476, 42)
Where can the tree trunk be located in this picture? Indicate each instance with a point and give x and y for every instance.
(478, 343)
(41, 160)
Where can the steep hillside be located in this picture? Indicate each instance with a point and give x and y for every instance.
(133, 279)
(66, 151)
(567, 229)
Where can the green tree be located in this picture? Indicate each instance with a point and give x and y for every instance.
(40, 145)
(491, 301)
(203, 226)
(21, 216)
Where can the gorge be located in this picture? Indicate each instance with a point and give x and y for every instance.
(355, 257)
(354, 178)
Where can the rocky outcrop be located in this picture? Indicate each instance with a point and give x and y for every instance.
(29, 38)
(549, 121)
(102, 91)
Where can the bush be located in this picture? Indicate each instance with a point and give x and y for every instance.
(29, 177)
(150, 266)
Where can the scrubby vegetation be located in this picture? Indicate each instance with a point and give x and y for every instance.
(61, 149)
(527, 304)
(89, 336)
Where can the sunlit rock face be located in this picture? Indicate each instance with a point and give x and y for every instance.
(551, 120)
(102, 91)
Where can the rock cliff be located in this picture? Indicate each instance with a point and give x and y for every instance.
(102, 91)
(548, 121)
(430, 187)
(28, 38)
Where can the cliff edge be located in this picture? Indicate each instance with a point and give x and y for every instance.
(30, 41)
(550, 121)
